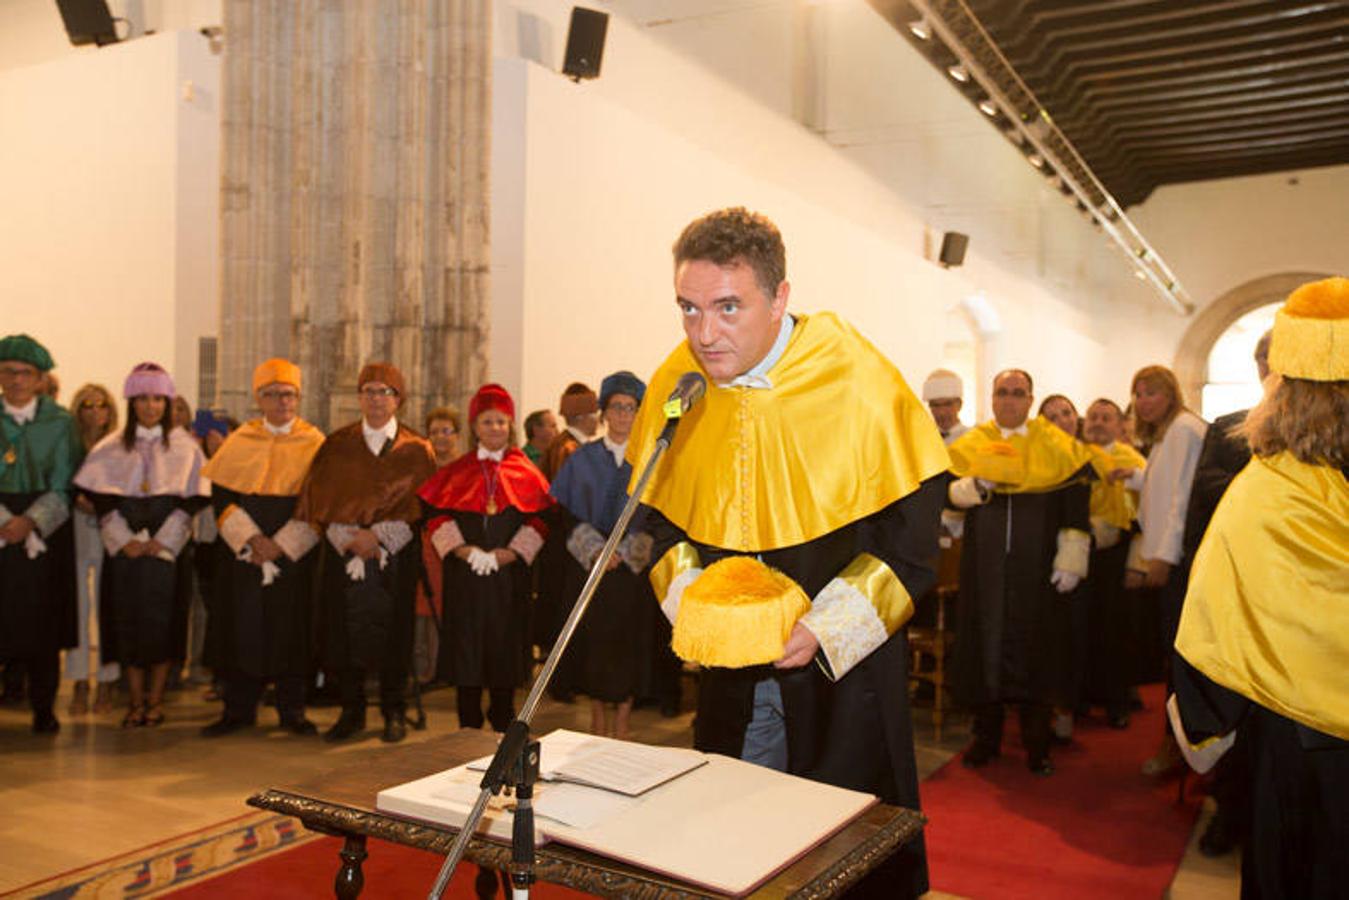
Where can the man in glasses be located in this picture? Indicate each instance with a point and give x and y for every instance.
(39, 449)
(361, 493)
(1024, 487)
(264, 584)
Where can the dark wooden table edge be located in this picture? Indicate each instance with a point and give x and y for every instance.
(577, 869)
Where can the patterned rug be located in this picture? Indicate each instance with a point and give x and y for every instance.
(169, 865)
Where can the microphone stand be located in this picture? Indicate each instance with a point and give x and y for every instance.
(516, 761)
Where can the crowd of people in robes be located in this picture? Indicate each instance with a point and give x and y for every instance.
(1097, 551)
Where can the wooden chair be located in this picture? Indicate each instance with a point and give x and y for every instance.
(930, 642)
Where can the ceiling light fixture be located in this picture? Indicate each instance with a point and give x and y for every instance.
(920, 29)
(979, 62)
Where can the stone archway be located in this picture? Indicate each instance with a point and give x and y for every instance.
(1215, 318)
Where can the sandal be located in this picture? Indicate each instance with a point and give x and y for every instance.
(134, 718)
(154, 716)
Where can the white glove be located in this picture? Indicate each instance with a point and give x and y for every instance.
(356, 568)
(270, 571)
(1064, 582)
(966, 492)
(482, 562)
(34, 545)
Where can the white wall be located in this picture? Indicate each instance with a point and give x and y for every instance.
(612, 169)
(109, 179)
(1232, 231)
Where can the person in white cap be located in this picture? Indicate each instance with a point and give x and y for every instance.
(942, 393)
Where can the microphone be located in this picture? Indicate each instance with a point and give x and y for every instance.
(688, 391)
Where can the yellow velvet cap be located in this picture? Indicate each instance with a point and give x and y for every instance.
(1311, 332)
(739, 612)
(276, 371)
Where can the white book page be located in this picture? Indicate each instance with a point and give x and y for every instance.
(621, 766)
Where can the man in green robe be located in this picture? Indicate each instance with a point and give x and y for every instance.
(39, 450)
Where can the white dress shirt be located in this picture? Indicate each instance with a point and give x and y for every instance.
(376, 438)
(22, 414)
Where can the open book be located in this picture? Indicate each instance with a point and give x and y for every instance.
(723, 824)
(621, 766)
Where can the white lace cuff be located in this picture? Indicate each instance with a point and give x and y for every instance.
(295, 539)
(48, 512)
(845, 622)
(669, 604)
(341, 535)
(1074, 555)
(584, 544)
(447, 538)
(393, 534)
(526, 543)
(175, 531)
(115, 532)
(236, 527)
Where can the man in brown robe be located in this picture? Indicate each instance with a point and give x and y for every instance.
(361, 494)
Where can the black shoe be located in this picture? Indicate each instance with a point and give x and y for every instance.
(45, 723)
(225, 725)
(1218, 838)
(395, 729)
(1118, 720)
(669, 709)
(1042, 767)
(351, 722)
(978, 756)
(300, 726)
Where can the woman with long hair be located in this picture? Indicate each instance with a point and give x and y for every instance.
(1173, 436)
(1263, 644)
(145, 484)
(95, 418)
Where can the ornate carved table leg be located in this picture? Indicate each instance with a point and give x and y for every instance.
(485, 884)
(350, 879)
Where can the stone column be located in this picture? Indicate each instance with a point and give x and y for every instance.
(355, 197)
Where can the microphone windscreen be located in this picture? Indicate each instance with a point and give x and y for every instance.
(690, 389)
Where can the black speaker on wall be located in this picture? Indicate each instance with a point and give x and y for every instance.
(88, 21)
(585, 43)
(953, 245)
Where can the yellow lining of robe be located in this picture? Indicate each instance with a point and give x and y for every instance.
(677, 560)
(1041, 460)
(254, 461)
(876, 581)
(838, 437)
(1111, 500)
(1267, 611)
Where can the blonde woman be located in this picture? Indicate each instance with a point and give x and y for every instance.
(95, 414)
(1175, 436)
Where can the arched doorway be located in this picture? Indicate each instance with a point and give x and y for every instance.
(1231, 381)
(1196, 347)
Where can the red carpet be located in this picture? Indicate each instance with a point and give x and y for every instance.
(1096, 828)
(391, 871)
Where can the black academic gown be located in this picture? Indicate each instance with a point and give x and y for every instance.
(1111, 652)
(1299, 782)
(485, 637)
(856, 732)
(262, 632)
(1012, 638)
(138, 598)
(38, 599)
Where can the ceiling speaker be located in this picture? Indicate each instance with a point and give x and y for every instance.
(953, 245)
(585, 43)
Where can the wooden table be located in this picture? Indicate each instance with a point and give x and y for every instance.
(341, 803)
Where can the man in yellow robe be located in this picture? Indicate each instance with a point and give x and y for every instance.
(800, 499)
(263, 617)
(1023, 485)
